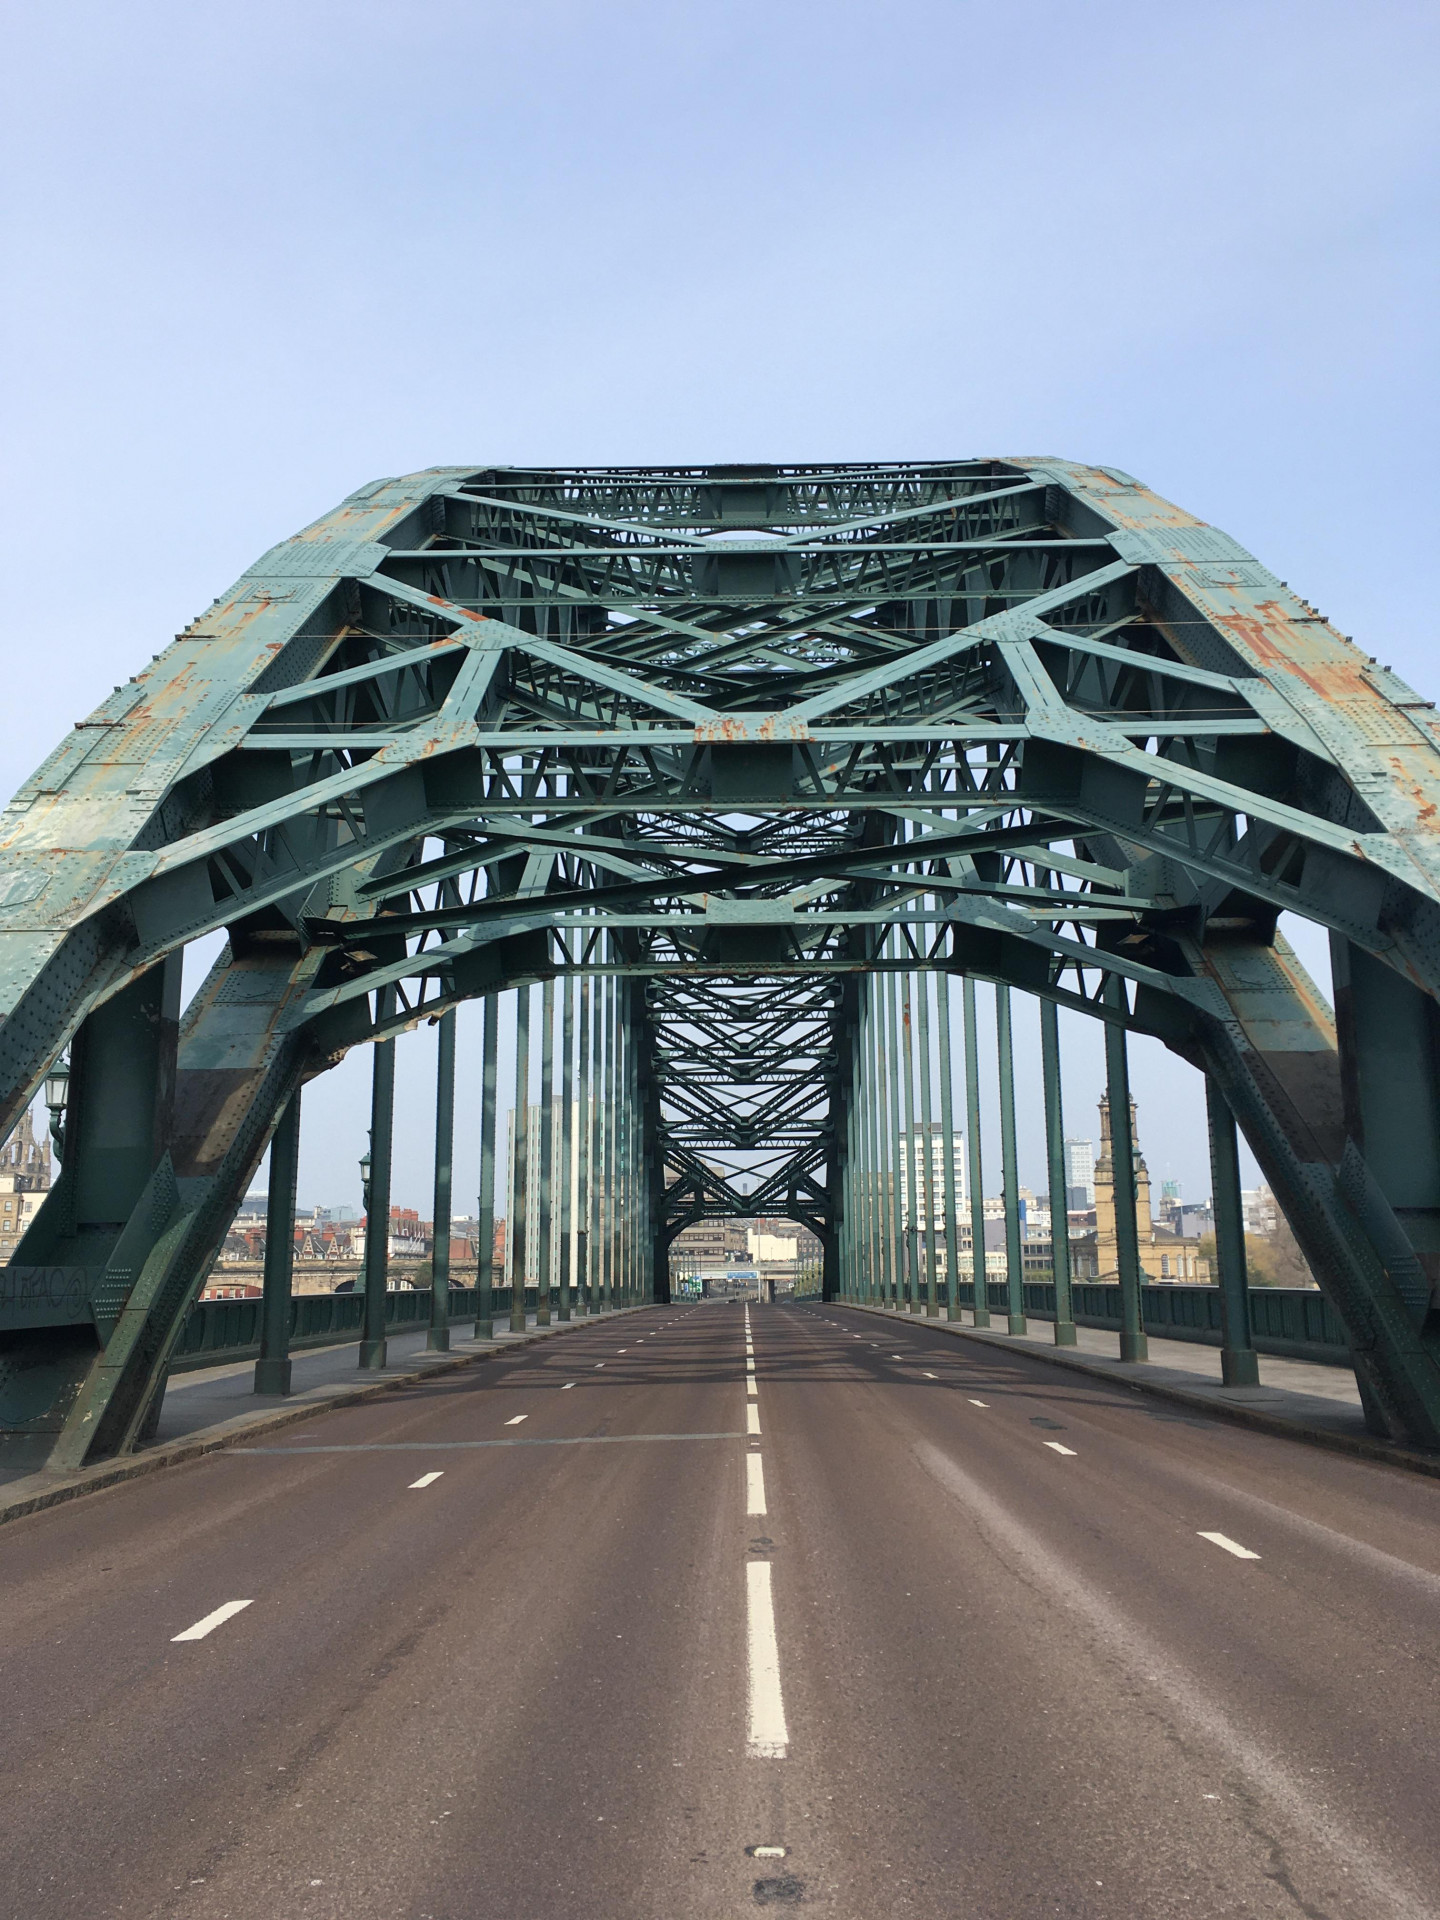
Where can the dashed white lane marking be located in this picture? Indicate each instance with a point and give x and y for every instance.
(750, 1366)
(754, 1484)
(567, 1386)
(752, 1419)
(752, 1392)
(228, 1612)
(622, 1349)
(1055, 1447)
(769, 1737)
(979, 1403)
(426, 1480)
(1230, 1546)
(518, 1418)
(935, 1376)
(598, 1365)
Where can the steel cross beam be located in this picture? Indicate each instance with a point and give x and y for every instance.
(736, 738)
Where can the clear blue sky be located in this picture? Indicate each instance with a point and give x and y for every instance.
(258, 255)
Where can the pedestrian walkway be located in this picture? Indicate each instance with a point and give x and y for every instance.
(1302, 1398)
(209, 1406)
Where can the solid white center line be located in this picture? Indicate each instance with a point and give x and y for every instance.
(426, 1480)
(570, 1383)
(1230, 1546)
(985, 1403)
(1055, 1447)
(769, 1737)
(218, 1619)
(754, 1484)
(752, 1419)
(518, 1418)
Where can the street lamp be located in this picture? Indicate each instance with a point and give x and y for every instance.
(365, 1178)
(57, 1093)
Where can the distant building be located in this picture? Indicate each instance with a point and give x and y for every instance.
(1164, 1253)
(1262, 1215)
(1079, 1174)
(934, 1163)
(24, 1182)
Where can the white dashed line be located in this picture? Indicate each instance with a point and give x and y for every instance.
(228, 1612)
(1230, 1546)
(754, 1484)
(769, 1737)
(752, 1419)
(985, 1403)
(570, 1383)
(518, 1418)
(1055, 1447)
(752, 1392)
(426, 1480)
(600, 1363)
(935, 1376)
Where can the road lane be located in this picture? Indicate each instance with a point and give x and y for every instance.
(882, 1651)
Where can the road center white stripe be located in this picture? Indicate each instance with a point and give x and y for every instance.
(1230, 1546)
(769, 1737)
(752, 1419)
(985, 1403)
(518, 1418)
(754, 1483)
(228, 1612)
(1055, 1447)
(570, 1383)
(426, 1480)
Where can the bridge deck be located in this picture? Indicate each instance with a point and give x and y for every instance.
(1016, 1668)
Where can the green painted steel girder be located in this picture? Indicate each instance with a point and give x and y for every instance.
(735, 738)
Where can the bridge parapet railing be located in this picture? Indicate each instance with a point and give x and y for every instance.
(220, 1330)
(1293, 1323)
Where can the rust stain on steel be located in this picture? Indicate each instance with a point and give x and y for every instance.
(738, 729)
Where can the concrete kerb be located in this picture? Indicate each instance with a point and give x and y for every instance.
(1360, 1446)
(175, 1453)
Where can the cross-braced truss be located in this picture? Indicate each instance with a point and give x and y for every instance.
(742, 734)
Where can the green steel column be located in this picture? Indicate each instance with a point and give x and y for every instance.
(889, 1122)
(1239, 1363)
(520, 1163)
(272, 1369)
(1133, 1344)
(1014, 1251)
(544, 1238)
(567, 1147)
(605, 1098)
(377, 1201)
(438, 1340)
(1055, 1161)
(947, 1134)
(981, 1310)
(927, 1146)
(878, 1137)
(585, 1119)
(912, 1182)
(485, 1205)
(897, 1221)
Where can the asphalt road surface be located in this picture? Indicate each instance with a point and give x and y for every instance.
(916, 1628)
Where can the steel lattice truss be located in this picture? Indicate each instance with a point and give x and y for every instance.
(724, 732)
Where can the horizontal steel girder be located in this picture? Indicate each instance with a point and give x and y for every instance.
(738, 735)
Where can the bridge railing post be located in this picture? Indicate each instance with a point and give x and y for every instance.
(1133, 1343)
(544, 1232)
(377, 1199)
(438, 1338)
(1065, 1334)
(927, 1136)
(520, 1163)
(485, 1203)
(567, 1147)
(584, 1302)
(981, 1311)
(946, 1010)
(1010, 1172)
(1239, 1363)
(272, 1369)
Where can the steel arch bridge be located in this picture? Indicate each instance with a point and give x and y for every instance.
(741, 738)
